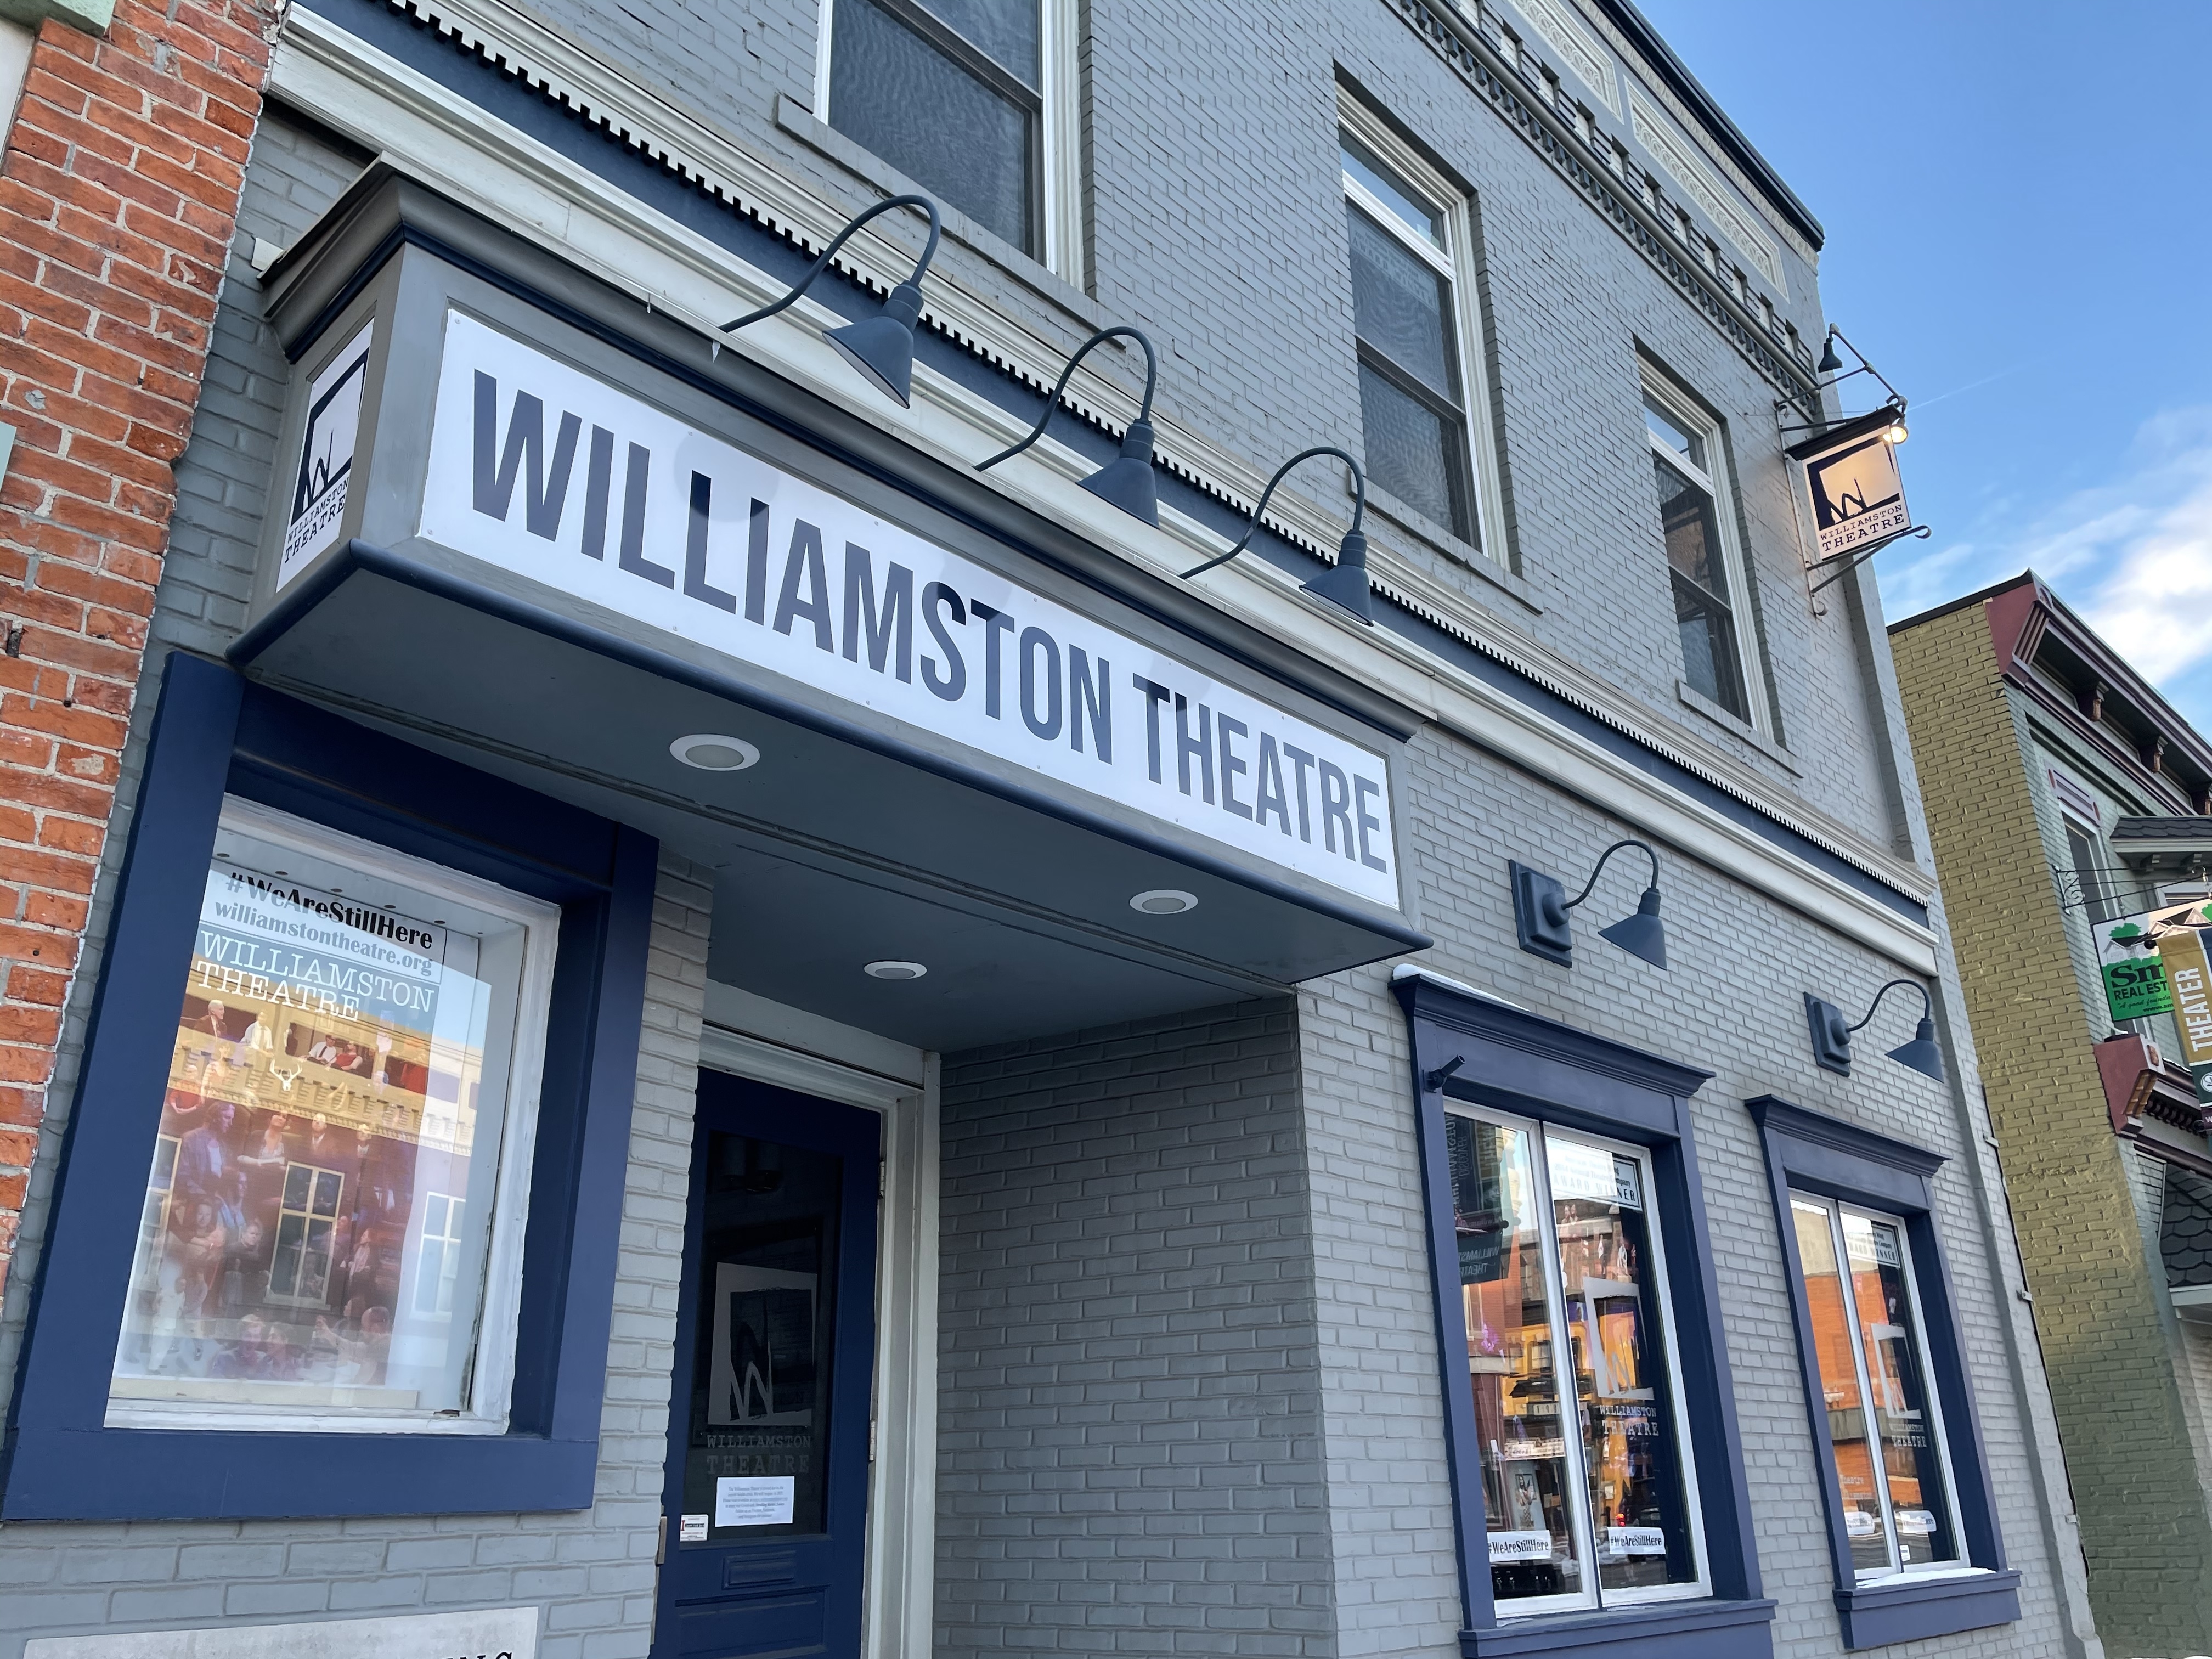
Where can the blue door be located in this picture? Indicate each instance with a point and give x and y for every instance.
(767, 1493)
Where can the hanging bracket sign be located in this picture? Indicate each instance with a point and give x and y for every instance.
(1856, 495)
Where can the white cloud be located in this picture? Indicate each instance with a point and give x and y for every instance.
(2133, 557)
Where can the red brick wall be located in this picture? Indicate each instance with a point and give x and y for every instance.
(118, 196)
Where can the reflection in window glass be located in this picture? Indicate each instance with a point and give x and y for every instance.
(1702, 611)
(1882, 1422)
(1631, 1458)
(1565, 1271)
(1848, 1438)
(1511, 1360)
(317, 1226)
(1897, 1387)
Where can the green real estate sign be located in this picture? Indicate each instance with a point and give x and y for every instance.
(2137, 988)
(2135, 984)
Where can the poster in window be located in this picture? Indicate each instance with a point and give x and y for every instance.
(314, 1230)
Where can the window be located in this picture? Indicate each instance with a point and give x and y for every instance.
(2089, 874)
(1423, 432)
(1697, 523)
(1889, 1398)
(357, 1043)
(178, 1362)
(1885, 1429)
(1597, 1468)
(1570, 1362)
(973, 100)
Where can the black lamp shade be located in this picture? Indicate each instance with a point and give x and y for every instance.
(1829, 362)
(1642, 934)
(1921, 1054)
(1345, 582)
(881, 347)
(1126, 481)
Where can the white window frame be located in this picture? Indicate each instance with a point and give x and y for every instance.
(1059, 86)
(1715, 479)
(1938, 1434)
(1455, 263)
(492, 1367)
(1592, 1597)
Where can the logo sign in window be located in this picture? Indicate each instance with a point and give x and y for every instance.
(550, 473)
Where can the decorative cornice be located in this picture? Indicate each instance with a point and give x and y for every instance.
(1686, 98)
(1569, 36)
(1656, 134)
(1553, 137)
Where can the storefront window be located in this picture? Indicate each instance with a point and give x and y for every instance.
(331, 1225)
(1883, 1425)
(1586, 1502)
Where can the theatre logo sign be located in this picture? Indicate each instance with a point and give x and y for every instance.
(553, 475)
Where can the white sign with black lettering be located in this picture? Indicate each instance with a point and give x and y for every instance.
(549, 472)
(485, 1633)
(318, 490)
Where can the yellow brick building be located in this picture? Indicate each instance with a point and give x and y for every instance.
(2063, 796)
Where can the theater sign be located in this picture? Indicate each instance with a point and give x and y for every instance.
(939, 718)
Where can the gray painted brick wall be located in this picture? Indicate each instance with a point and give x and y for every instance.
(1129, 1450)
(1239, 1189)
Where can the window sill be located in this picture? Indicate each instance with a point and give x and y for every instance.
(802, 123)
(1663, 1629)
(1463, 554)
(1736, 727)
(1912, 1606)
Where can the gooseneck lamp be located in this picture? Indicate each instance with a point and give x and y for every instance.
(882, 346)
(1345, 582)
(1126, 481)
(1541, 905)
(1832, 1038)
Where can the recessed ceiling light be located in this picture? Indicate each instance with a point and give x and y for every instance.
(1164, 901)
(895, 969)
(710, 751)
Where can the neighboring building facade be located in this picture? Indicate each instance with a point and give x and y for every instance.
(670, 1008)
(2065, 799)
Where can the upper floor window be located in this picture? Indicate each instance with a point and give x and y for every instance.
(1697, 522)
(971, 98)
(1885, 1426)
(1425, 435)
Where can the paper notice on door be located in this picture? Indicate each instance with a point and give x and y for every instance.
(756, 1500)
(692, 1530)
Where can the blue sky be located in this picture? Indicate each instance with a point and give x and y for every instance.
(2014, 197)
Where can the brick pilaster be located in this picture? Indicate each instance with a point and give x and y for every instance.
(119, 196)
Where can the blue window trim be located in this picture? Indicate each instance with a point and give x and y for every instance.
(1537, 1068)
(214, 733)
(1831, 1159)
